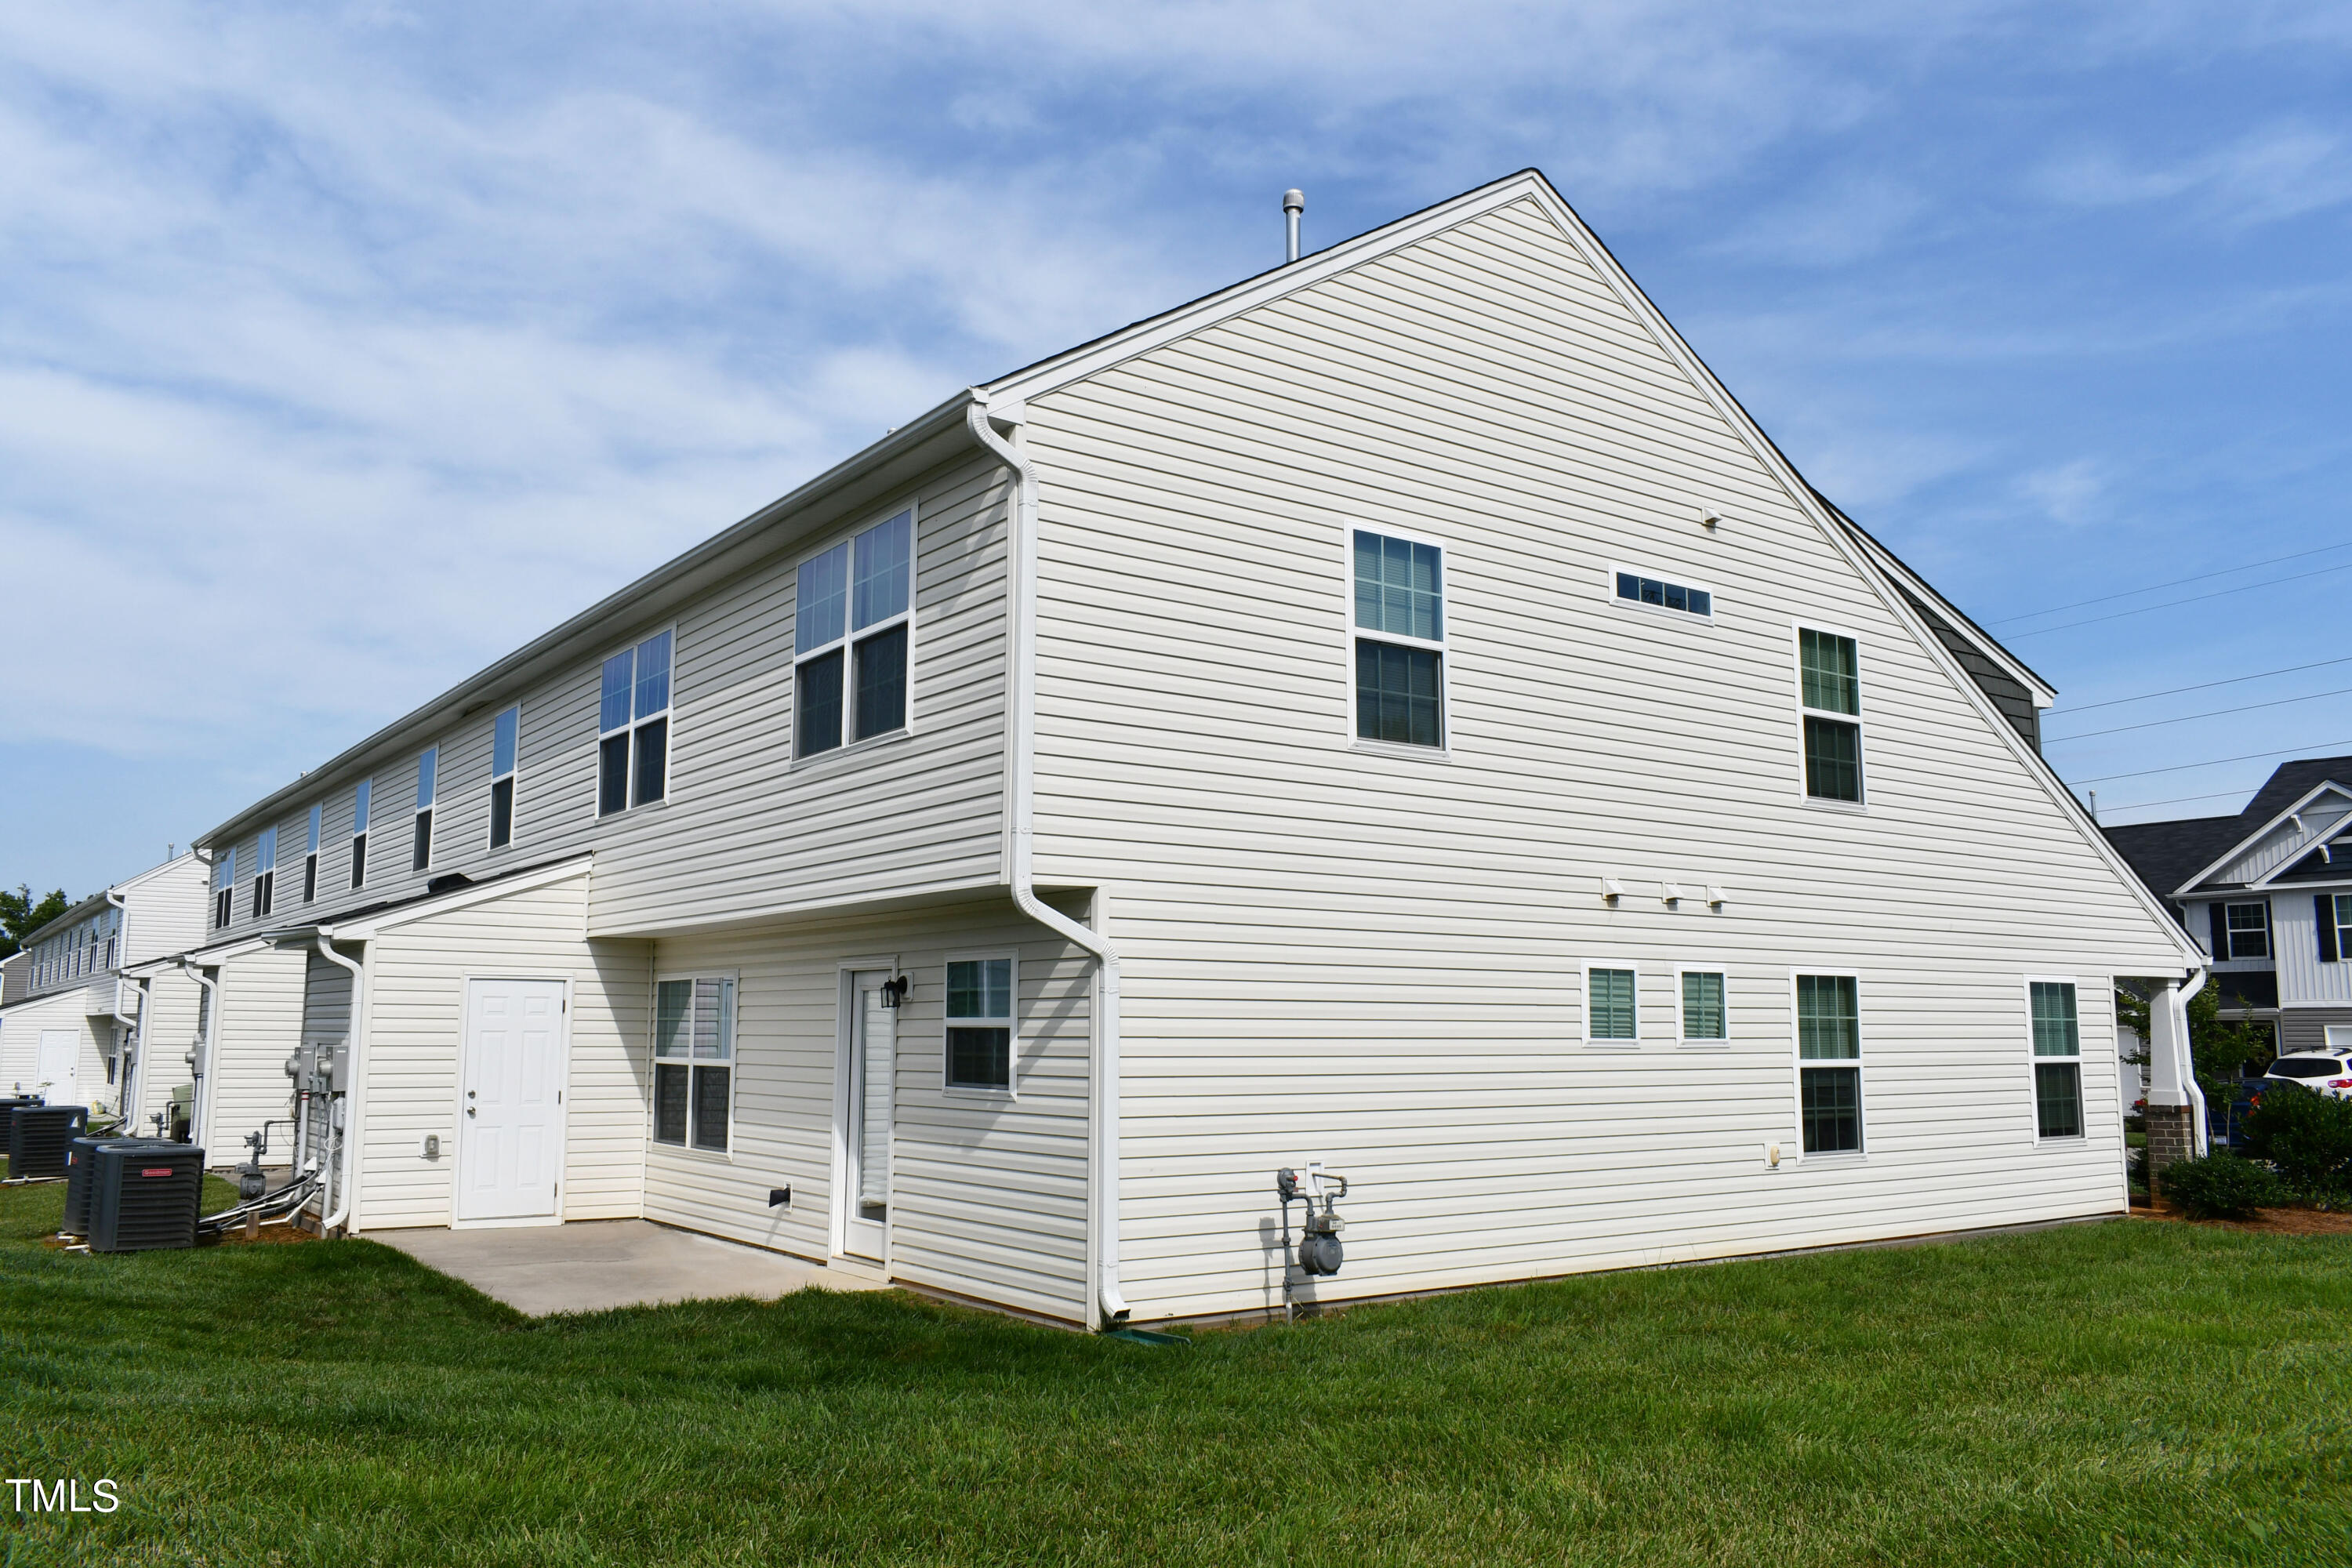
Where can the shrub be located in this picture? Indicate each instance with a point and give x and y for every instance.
(2221, 1185)
(2307, 1136)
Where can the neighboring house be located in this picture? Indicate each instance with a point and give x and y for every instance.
(72, 1003)
(1396, 711)
(2268, 895)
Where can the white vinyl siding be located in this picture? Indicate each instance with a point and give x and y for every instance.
(260, 1006)
(1333, 954)
(417, 988)
(989, 1194)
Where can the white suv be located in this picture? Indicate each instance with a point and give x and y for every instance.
(2328, 1075)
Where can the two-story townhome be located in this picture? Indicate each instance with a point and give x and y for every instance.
(86, 1016)
(1397, 712)
(2267, 893)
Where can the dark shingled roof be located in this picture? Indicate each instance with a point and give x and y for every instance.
(2166, 854)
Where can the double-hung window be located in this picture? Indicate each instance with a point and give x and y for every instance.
(694, 1059)
(2242, 931)
(980, 1024)
(2057, 1059)
(1703, 1015)
(850, 631)
(1829, 1063)
(2333, 913)
(428, 765)
(265, 873)
(1399, 640)
(506, 732)
(1830, 682)
(633, 726)
(224, 888)
(311, 857)
(1611, 1010)
(359, 831)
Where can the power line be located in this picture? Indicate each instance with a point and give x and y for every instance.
(2201, 686)
(2185, 717)
(2213, 761)
(2177, 799)
(2177, 581)
(2169, 604)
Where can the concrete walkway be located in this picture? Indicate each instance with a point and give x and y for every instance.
(592, 1266)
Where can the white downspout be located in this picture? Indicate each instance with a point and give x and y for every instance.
(325, 942)
(2172, 1069)
(130, 1026)
(200, 1111)
(1020, 790)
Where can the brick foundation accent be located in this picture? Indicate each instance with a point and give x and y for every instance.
(2172, 1136)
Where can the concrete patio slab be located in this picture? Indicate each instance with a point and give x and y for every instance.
(594, 1265)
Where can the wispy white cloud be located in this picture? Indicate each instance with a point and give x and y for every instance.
(2279, 172)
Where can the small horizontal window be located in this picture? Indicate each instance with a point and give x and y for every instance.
(1636, 589)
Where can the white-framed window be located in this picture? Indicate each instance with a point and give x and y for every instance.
(2245, 930)
(980, 1026)
(633, 726)
(1634, 588)
(1399, 634)
(310, 856)
(1705, 1017)
(265, 872)
(360, 795)
(505, 738)
(2057, 1037)
(1829, 1063)
(694, 1061)
(1613, 1006)
(428, 765)
(2334, 914)
(224, 888)
(1828, 695)
(853, 625)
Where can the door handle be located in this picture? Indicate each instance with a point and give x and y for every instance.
(469, 1110)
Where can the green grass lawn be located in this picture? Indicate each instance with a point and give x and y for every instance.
(2127, 1393)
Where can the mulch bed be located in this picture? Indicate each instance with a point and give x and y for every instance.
(2268, 1222)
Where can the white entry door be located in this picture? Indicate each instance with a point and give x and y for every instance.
(873, 1050)
(56, 1073)
(510, 1122)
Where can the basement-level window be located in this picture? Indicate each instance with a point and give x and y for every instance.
(1829, 1032)
(694, 1056)
(2057, 1059)
(633, 726)
(980, 1024)
(851, 626)
(1399, 640)
(1830, 687)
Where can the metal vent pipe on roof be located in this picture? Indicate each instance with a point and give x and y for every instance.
(1293, 204)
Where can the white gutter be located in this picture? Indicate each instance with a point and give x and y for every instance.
(324, 941)
(1021, 802)
(2196, 1091)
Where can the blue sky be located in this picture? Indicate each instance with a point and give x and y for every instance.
(344, 348)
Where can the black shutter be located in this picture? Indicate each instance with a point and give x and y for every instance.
(2324, 906)
(2220, 930)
